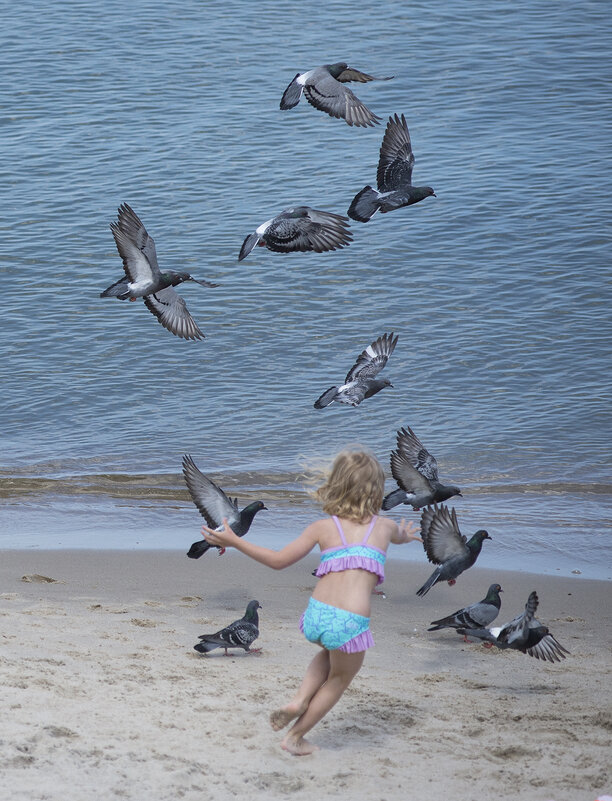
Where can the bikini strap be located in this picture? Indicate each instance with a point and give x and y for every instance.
(339, 527)
(369, 531)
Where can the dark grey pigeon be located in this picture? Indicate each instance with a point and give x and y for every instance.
(361, 381)
(214, 505)
(394, 176)
(446, 546)
(143, 278)
(324, 89)
(300, 229)
(475, 616)
(524, 634)
(416, 472)
(239, 634)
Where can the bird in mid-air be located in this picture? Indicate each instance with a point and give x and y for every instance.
(446, 546)
(324, 89)
(214, 505)
(416, 472)
(143, 278)
(393, 178)
(361, 381)
(239, 634)
(474, 616)
(300, 228)
(524, 634)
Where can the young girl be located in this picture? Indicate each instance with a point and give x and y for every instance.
(353, 545)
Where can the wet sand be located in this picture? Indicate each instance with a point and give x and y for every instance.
(103, 694)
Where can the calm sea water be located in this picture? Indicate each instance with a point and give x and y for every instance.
(499, 288)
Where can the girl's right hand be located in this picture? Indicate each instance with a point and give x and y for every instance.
(409, 531)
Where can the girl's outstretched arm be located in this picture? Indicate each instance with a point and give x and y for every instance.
(291, 553)
(406, 533)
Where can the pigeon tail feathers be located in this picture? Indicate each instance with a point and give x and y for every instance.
(394, 499)
(292, 94)
(198, 549)
(433, 579)
(365, 204)
(247, 246)
(117, 290)
(326, 398)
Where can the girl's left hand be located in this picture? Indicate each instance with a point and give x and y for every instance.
(222, 539)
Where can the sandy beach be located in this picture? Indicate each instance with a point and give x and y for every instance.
(103, 694)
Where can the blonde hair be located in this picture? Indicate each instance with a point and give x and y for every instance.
(354, 487)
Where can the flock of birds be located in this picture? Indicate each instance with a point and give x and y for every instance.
(300, 229)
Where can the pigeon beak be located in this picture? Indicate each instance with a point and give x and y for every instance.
(434, 194)
(265, 507)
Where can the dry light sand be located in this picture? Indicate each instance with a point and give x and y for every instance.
(104, 697)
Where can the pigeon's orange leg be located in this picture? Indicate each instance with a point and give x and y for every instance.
(451, 582)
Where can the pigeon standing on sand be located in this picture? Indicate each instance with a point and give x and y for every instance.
(300, 229)
(214, 505)
(446, 546)
(361, 381)
(143, 278)
(524, 634)
(239, 634)
(416, 472)
(393, 178)
(475, 616)
(324, 89)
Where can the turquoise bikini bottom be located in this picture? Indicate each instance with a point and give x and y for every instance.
(336, 629)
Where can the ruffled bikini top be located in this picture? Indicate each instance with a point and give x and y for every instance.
(357, 555)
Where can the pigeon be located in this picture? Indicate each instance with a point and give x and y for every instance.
(143, 278)
(446, 546)
(324, 89)
(393, 178)
(214, 505)
(361, 381)
(300, 228)
(416, 472)
(525, 634)
(239, 634)
(474, 616)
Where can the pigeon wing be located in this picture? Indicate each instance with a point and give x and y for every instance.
(396, 157)
(441, 536)
(418, 455)
(313, 230)
(171, 311)
(350, 74)
(407, 476)
(136, 265)
(373, 359)
(131, 225)
(212, 503)
(240, 634)
(548, 649)
(351, 393)
(330, 96)
(514, 633)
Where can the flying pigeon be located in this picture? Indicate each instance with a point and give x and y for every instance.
(361, 381)
(393, 178)
(446, 546)
(524, 634)
(416, 472)
(324, 89)
(475, 616)
(214, 505)
(143, 278)
(300, 228)
(239, 634)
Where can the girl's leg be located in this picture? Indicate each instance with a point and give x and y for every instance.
(342, 670)
(316, 675)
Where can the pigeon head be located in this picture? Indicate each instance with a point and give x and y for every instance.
(424, 191)
(174, 279)
(251, 610)
(336, 69)
(476, 540)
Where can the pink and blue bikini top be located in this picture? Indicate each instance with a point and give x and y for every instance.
(357, 555)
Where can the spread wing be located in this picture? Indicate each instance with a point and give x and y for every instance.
(330, 96)
(373, 359)
(514, 634)
(171, 311)
(548, 648)
(307, 229)
(130, 229)
(212, 503)
(408, 478)
(417, 454)
(440, 533)
(396, 156)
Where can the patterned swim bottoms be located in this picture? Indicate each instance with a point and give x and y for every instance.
(336, 629)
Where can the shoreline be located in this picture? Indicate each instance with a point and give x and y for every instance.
(104, 692)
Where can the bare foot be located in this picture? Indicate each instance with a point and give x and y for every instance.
(299, 746)
(281, 717)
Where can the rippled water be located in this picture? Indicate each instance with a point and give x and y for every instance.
(499, 288)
